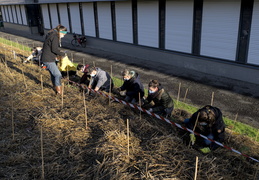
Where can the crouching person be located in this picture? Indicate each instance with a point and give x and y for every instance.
(210, 124)
(100, 80)
(133, 87)
(158, 100)
(85, 79)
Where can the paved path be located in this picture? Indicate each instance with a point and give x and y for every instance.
(230, 96)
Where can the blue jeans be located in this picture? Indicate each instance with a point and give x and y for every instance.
(54, 73)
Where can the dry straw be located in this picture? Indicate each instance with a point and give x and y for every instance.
(25, 84)
(12, 102)
(42, 153)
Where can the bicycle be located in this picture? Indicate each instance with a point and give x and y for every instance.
(78, 40)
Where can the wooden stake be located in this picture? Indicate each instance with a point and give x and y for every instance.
(62, 95)
(257, 135)
(83, 61)
(139, 100)
(93, 63)
(12, 115)
(196, 168)
(178, 96)
(72, 57)
(212, 99)
(110, 90)
(24, 80)
(185, 95)
(42, 153)
(128, 137)
(41, 82)
(85, 111)
(235, 121)
(196, 121)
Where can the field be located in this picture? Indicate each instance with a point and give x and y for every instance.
(45, 136)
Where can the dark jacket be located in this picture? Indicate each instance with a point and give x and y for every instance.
(161, 99)
(101, 80)
(217, 128)
(86, 76)
(50, 48)
(133, 87)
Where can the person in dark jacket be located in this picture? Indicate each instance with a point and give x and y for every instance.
(133, 87)
(50, 52)
(210, 124)
(100, 80)
(85, 79)
(159, 100)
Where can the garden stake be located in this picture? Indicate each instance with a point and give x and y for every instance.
(178, 96)
(42, 153)
(24, 79)
(12, 116)
(83, 61)
(185, 95)
(212, 98)
(128, 137)
(139, 100)
(196, 168)
(195, 126)
(110, 90)
(93, 63)
(41, 82)
(62, 95)
(235, 121)
(85, 110)
(257, 135)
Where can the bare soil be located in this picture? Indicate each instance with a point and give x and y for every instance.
(31, 116)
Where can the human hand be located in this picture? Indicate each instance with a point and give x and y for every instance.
(205, 150)
(150, 110)
(192, 138)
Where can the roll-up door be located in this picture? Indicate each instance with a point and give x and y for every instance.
(75, 18)
(220, 24)
(24, 17)
(14, 14)
(18, 14)
(123, 11)
(89, 23)
(45, 13)
(104, 20)
(10, 13)
(179, 25)
(253, 52)
(53, 15)
(64, 16)
(148, 23)
(3, 13)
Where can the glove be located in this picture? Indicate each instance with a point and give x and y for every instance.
(205, 150)
(150, 110)
(192, 138)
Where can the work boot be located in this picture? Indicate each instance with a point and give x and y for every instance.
(59, 89)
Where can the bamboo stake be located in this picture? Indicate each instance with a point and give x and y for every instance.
(185, 95)
(62, 95)
(85, 111)
(128, 137)
(24, 79)
(42, 153)
(212, 99)
(83, 61)
(93, 63)
(196, 168)
(72, 57)
(257, 135)
(110, 90)
(139, 100)
(41, 82)
(178, 96)
(235, 121)
(12, 116)
(196, 121)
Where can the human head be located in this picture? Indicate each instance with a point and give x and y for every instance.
(62, 30)
(153, 86)
(80, 67)
(127, 75)
(207, 115)
(92, 71)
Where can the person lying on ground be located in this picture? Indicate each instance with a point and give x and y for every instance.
(35, 54)
(133, 87)
(49, 53)
(85, 79)
(66, 66)
(210, 124)
(100, 80)
(158, 100)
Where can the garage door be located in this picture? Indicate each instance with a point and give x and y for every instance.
(18, 14)
(64, 16)
(220, 24)
(104, 20)
(45, 13)
(3, 13)
(89, 23)
(75, 18)
(53, 15)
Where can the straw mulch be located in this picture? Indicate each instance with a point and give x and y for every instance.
(99, 151)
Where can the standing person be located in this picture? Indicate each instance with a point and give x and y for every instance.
(100, 80)
(158, 100)
(134, 88)
(49, 53)
(209, 123)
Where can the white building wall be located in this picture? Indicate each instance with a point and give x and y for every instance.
(64, 16)
(45, 14)
(179, 25)
(220, 23)
(89, 24)
(10, 14)
(14, 14)
(148, 27)
(75, 18)
(253, 53)
(123, 12)
(53, 15)
(18, 14)
(3, 13)
(104, 20)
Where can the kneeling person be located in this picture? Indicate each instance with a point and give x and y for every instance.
(100, 80)
(158, 99)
